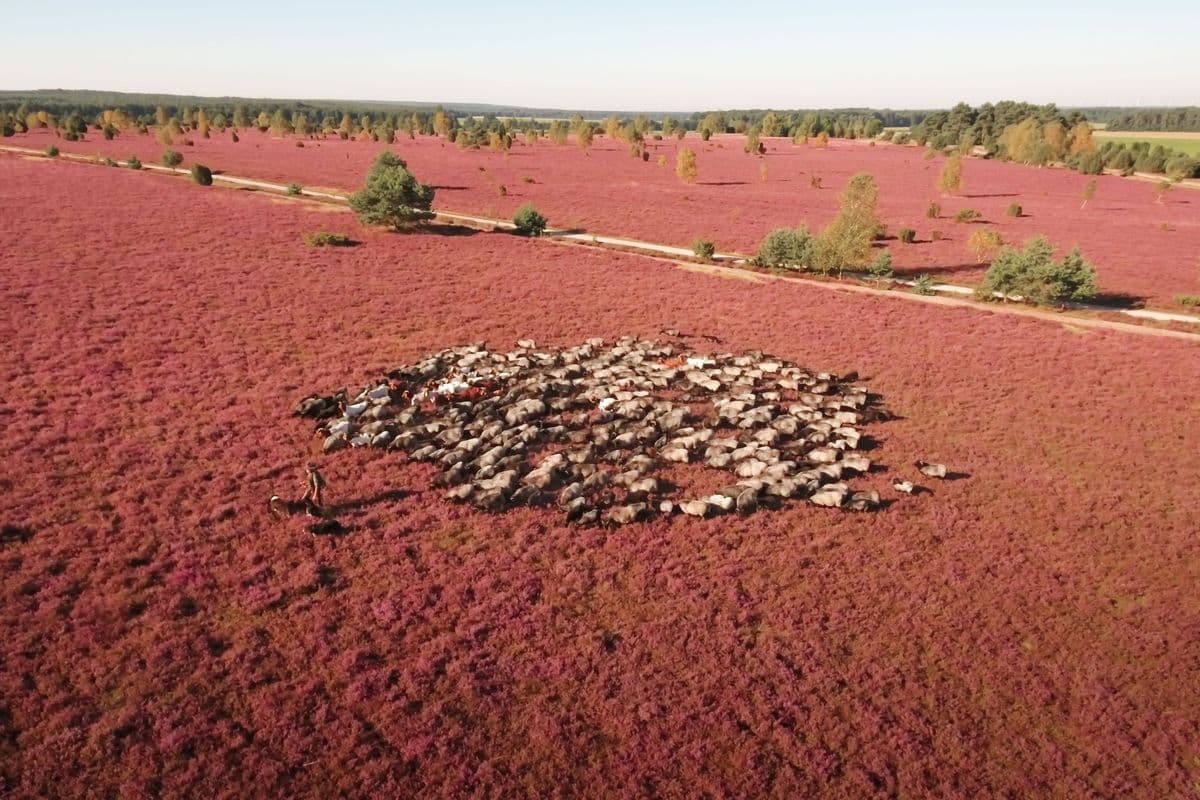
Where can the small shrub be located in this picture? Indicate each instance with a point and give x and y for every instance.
(923, 285)
(1014, 210)
(133, 162)
(233, 137)
(881, 267)
(502, 190)
(170, 158)
(814, 182)
(967, 215)
(704, 249)
(299, 143)
(787, 247)
(201, 175)
(935, 236)
(908, 235)
(108, 162)
(527, 179)
(327, 239)
(109, 132)
(71, 136)
(51, 151)
(1188, 300)
(933, 210)
(188, 143)
(294, 189)
(528, 221)
(929, 154)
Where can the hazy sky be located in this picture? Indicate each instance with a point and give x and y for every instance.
(613, 54)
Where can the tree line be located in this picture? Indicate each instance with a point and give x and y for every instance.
(1158, 119)
(1042, 135)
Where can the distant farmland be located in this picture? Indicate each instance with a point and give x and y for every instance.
(1185, 142)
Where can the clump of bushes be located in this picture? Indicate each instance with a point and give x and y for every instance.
(170, 158)
(967, 215)
(933, 210)
(528, 221)
(1014, 210)
(1033, 274)
(1189, 300)
(51, 151)
(133, 162)
(201, 175)
(327, 239)
(704, 249)
(908, 235)
(294, 189)
(794, 248)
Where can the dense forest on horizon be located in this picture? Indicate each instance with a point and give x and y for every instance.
(88, 102)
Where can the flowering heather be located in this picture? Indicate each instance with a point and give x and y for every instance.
(1141, 248)
(1033, 631)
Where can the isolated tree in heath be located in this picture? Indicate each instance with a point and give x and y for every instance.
(846, 242)
(685, 165)
(584, 135)
(984, 243)
(950, 181)
(1089, 191)
(1161, 189)
(392, 196)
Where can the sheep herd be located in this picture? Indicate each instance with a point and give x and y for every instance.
(596, 429)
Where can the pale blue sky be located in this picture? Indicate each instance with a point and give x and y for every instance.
(606, 54)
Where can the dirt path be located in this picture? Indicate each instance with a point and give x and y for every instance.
(946, 294)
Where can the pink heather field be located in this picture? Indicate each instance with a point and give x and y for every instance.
(1029, 630)
(1144, 251)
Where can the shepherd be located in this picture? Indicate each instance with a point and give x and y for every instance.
(314, 483)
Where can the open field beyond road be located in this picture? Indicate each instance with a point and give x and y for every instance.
(1185, 142)
(1030, 630)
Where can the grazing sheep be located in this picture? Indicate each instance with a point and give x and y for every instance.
(932, 470)
(587, 427)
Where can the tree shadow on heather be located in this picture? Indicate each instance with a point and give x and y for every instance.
(948, 269)
(1121, 300)
(452, 230)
